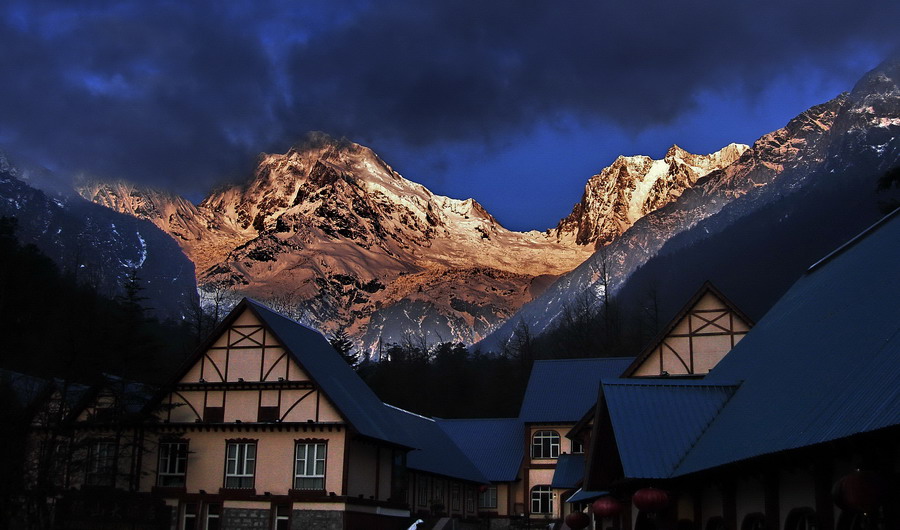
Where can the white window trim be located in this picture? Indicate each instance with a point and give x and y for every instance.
(240, 464)
(318, 452)
(537, 443)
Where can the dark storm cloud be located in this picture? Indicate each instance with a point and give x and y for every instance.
(185, 93)
(154, 93)
(460, 69)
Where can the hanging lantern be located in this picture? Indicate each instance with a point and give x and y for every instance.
(606, 507)
(483, 488)
(650, 499)
(577, 520)
(859, 491)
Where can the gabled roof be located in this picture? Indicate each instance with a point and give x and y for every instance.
(562, 390)
(436, 452)
(706, 288)
(350, 395)
(822, 364)
(495, 446)
(657, 421)
(569, 471)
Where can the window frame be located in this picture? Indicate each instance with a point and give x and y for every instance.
(239, 477)
(489, 494)
(279, 518)
(97, 474)
(163, 470)
(540, 495)
(212, 512)
(308, 444)
(545, 441)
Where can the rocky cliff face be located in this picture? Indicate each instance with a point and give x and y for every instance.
(635, 186)
(844, 144)
(332, 234)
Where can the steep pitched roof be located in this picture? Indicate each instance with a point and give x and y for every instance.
(495, 446)
(656, 422)
(562, 390)
(356, 402)
(435, 452)
(822, 364)
(569, 471)
(706, 289)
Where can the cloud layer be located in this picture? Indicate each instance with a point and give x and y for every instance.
(184, 94)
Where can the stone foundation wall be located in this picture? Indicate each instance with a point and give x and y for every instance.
(244, 519)
(317, 520)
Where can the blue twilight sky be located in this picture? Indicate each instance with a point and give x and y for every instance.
(513, 102)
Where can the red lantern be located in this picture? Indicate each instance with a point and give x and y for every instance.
(577, 520)
(483, 488)
(606, 507)
(859, 491)
(650, 500)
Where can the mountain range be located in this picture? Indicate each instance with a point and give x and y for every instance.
(329, 233)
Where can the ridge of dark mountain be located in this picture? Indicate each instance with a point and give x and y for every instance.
(833, 154)
(98, 246)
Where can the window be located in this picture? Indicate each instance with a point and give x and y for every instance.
(172, 464)
(214, 414)
(240, 464)
(268, 414)
(309, 466)
(577, 447)
(470, 501)
(101, 464)
(281, 517)
(213, 516)
(189, 516)
(454, 497)
(541, 499)
(488, 498)
(545, 444)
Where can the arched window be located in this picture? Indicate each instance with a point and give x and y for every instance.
(545, 444)
(541, 499)
(801, 519)
(754, 521)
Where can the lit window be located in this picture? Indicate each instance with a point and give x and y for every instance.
(545, 444)
(309, 466)
(240, 465)
(488, 498)
(541, 499)
(172, 464)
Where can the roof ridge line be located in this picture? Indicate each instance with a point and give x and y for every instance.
(408, 412)
(851, 242)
